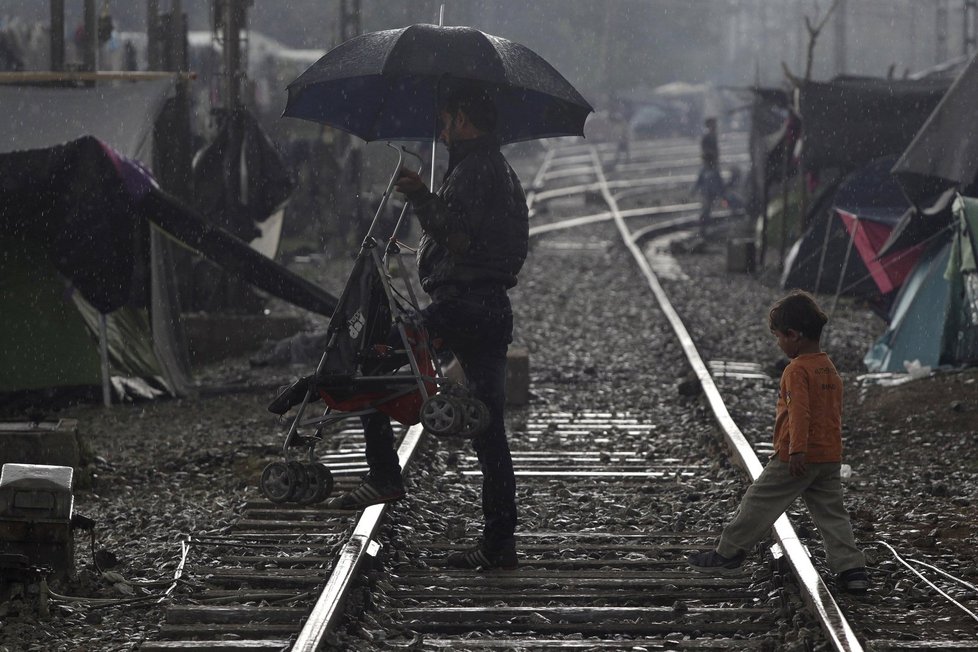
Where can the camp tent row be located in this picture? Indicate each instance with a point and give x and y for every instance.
(85, 271)
(892, 222)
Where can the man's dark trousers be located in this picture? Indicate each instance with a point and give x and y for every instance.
(476, 324)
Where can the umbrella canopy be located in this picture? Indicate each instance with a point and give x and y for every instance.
(387, 85)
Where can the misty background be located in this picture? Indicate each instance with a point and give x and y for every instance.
(612, 46)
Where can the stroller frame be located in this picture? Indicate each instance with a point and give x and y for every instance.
(446, 408)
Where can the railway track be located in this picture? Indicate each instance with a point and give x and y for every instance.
(611, 499)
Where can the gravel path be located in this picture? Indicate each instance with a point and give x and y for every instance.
(158, 471)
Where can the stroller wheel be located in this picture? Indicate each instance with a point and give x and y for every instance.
(278, 482)
(442, 415)
(475, 417)
(319, 484)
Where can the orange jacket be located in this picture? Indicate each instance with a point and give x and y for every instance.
(809, 414)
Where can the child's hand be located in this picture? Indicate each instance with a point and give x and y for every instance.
(796, 464)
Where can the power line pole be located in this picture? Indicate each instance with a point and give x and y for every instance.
(57, 35)
(350, 21)
(840, 37)
(969, 23)
(940, 23)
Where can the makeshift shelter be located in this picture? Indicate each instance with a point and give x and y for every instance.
(774, 130)
(943, 155)
(934, 319)
(850, 121)
(38, 117)
(839, 253)
(81, 212)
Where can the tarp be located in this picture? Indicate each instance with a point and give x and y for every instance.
(934, 319)
(123, 114)
(868, 236)
(240, 179)
(917, 317)
(823, 255)
(47, 330)
(85, 211)
(773, 132)
(944, 152)
(37, 117)
(850, 121)
(84, 201)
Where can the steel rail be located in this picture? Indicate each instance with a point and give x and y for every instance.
(816, 595)
(328, 610)
(641, 184)
(679, 209)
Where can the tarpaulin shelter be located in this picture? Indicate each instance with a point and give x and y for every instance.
(240, 180)
(241, 184)
(850, 121)
(83, 212)
(37, 117)
(839, 252)
(941, 160)
(934, 318)
(774, 130)
(943, 154)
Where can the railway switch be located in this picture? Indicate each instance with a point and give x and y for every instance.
(36, 503)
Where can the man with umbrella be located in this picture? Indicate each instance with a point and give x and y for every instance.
(474, 243)
(487, 91)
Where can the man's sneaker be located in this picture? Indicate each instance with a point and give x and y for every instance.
(714, 563)
(372, 491)
(482, 557)
(854, 580)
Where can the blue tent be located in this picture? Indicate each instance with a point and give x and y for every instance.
(934, 317)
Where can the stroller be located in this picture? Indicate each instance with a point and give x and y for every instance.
(378, 357)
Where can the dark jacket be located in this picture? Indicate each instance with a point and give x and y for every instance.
(476, 228)
(710, 150)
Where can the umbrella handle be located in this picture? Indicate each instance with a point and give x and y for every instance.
(400, 218)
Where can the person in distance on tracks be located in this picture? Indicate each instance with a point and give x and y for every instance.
(709, 182)
(473, 245)
(807, 454)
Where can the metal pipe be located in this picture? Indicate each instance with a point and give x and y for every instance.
(103, 345)
(57, 35)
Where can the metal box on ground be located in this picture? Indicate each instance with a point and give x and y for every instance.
(36, 503)
(47, 442)
(740, 255)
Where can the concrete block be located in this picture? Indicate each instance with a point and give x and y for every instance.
(54, 443)
(740, 255)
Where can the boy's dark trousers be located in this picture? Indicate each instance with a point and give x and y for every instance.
(476, 324)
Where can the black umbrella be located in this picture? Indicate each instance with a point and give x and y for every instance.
(386, 85)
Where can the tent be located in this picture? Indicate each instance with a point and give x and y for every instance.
(934, 318)
(839, 253)
(75, 221)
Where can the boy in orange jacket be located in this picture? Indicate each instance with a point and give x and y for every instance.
(807, 454)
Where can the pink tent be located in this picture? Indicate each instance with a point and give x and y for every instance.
(868, 236)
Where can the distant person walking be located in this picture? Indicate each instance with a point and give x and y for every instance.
(807, 458)
(709, 182)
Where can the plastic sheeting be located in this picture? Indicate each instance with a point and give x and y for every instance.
(36, 117)
(848, 122)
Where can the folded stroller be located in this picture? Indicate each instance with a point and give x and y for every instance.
(378, 358)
